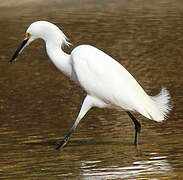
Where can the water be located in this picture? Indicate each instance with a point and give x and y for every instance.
(38, 104)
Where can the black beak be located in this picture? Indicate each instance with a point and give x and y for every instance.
(17, 52)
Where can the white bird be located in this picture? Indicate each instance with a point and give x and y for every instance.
(107, 82)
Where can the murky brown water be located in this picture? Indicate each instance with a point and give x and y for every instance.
(38, 104)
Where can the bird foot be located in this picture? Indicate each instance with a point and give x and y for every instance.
(61, 144)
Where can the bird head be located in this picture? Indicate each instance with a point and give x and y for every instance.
(45, 30)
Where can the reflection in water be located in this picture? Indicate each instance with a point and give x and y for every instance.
(154, 165)
(38, 104)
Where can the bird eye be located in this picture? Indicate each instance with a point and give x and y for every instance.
(27, 35)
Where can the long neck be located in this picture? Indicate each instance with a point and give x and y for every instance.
(59, 58)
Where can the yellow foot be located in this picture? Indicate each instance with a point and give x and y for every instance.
(61, 144)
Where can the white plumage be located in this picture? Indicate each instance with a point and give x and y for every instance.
(104, 78)
(107, 82)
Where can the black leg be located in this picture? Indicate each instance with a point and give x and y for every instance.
(137, 127)
(86, 106)
(63, 142)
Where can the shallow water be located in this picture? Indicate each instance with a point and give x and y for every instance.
(38, 103)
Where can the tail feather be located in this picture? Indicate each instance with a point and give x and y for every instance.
(162, 102)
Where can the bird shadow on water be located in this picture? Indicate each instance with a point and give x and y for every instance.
(79, 143)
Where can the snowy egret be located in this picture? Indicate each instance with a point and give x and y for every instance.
(107, 82)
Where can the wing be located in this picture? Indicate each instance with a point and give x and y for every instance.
(103, 77)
